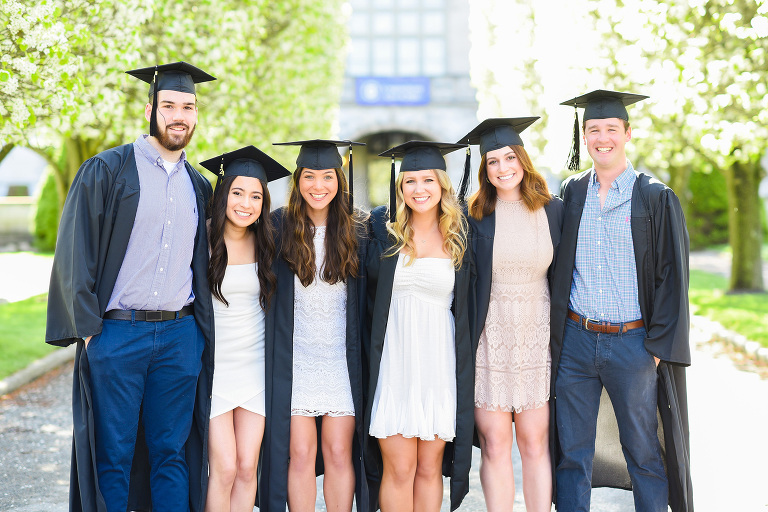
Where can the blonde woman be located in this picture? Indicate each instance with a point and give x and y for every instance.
(420, 274)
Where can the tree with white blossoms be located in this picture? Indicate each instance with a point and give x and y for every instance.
(705, 65)
(279, 66)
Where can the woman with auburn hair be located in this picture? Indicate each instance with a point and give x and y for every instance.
(240, 277)
(314, 385)
(420, 274)
(516, 225)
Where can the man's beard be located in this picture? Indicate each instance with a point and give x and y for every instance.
(173, 143)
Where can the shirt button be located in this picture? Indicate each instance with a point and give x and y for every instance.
(598, 242)
(169, 222)
(599, 218)
(170, 199)
(601, 291)
(598, 268)
(166, 246)
(161, 269)
(155, 293)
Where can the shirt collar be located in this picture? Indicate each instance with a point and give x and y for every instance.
(623, 181)
(152, 154)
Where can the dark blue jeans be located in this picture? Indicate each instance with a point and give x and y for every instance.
(153, 365)
(621, 364)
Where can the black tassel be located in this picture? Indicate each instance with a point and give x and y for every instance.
(221, 172)
(464, 185)
(351, 181)
(573, 162)
(153, 130)
(392, 196)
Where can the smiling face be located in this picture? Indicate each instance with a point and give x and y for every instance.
(605, 140)
(421, 190)
(176, 118)
(318, 188)
(505, 172)
(244, 201)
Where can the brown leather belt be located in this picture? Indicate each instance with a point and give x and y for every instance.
(148, 316)
(603, 327)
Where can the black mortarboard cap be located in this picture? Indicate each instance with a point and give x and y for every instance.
(321, 154)
(417, 155)
(248, 161)
(492, 134)
(598, 104)
(177, 76)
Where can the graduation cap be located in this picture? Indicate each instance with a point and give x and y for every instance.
(598, 104)
(417, 155)
(319, 154)
(177, 76)
(248, 161)
(492, 134)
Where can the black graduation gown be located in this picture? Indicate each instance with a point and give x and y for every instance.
(381, 272)
(660, 240)
(93, 236)
(273, 472)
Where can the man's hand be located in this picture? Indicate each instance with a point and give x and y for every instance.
(89, 339)
(654, 358)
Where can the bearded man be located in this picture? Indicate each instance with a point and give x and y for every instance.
(129, 286)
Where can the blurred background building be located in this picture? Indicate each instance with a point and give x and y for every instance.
(407, 78)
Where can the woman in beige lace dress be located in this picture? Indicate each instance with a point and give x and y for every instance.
(516, 223)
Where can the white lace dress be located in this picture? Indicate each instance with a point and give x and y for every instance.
(513, 357)
(321, 383)
(416, 388)
(238, 376)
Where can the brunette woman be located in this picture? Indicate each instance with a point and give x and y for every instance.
(421, 361)
(516, 225)
(314, 388)
(242, 283)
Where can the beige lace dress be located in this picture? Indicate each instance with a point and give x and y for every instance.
(513, 357)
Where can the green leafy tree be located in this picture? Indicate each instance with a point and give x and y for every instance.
(279, 66)
(704, 64)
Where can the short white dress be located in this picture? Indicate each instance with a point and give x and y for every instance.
(416, 388)
(238, 376)
(321, 385)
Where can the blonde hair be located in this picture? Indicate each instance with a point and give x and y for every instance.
(451, 222)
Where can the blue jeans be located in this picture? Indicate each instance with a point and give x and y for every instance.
(147, 368)
(620, 362)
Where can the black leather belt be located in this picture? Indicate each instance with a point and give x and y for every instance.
(148, 316)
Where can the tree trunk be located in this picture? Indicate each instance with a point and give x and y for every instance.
(744, 226)
(74, 152)
(678, 182)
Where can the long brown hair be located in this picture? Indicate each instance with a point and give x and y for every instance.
(298, 249)
(533, 188)
(264, 243)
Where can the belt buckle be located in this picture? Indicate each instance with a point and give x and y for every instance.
(153, 316)
(586, 323)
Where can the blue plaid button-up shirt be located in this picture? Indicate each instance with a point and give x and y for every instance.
(604, 284)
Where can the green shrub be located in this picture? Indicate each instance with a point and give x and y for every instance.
(47, 216)
(707, 215)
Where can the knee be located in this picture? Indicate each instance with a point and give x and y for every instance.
(337, 454)
(535, 447)
(402, 471)
(496, 447)
(303, 455)
(429, 470)
(225, 472)
(246, 470)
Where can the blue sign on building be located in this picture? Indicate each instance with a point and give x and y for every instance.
(392, 90)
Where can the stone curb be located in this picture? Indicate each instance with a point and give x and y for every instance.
(37, 369)
(712, 330)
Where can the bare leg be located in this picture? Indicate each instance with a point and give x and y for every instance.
(533, 441)
(339, 480)
(222, 459)
(302, 485)
(495, 431)
(428, 484)
(249, 431)
(397, 482)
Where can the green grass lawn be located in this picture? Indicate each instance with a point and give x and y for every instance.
(22, 334)
(746, 314)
